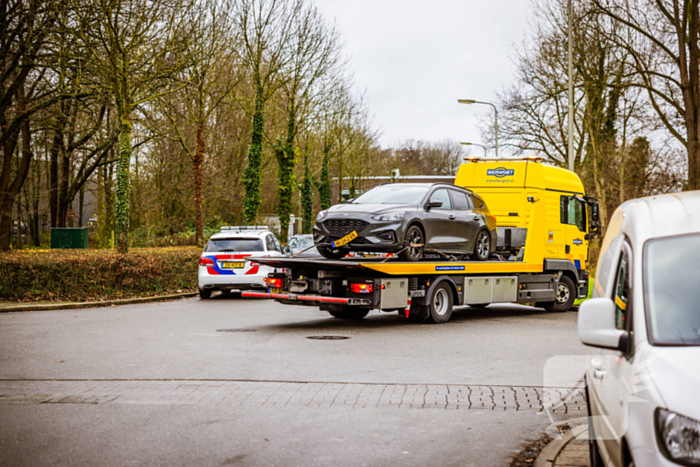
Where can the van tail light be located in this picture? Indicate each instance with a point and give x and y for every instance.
(205, 261)
(275, 282)
(361, 288)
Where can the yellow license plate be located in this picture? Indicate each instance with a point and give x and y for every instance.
(227, 265)
(346, 239)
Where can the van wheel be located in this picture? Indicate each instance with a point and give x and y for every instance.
(440, 303)
(204, 294)
(482, 247)
(565, 296)
(331, 254)
(348, 312)
(414, 236)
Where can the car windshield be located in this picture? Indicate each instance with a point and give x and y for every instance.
(393, 194)
(235, 244)
(671, 268)
(301, 242)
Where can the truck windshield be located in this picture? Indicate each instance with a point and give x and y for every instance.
(393, 194)
(235, 244)
(672, 295)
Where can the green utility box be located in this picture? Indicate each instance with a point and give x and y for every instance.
(69, 238)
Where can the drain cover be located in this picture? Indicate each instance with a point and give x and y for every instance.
(236, 330)
(328, 338)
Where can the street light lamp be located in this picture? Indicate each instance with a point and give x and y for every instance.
(475, 144)
(472, 101)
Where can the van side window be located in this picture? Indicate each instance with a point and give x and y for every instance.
(621, 291)
(573, 212)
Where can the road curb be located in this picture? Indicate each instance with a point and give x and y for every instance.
(549, 454)
(74, 305)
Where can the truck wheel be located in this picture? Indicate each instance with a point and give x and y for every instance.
(331, 254)
(565, 296)
(349, 313)
(204, 294)
(441, 303)
(414, 236)
(482, 246)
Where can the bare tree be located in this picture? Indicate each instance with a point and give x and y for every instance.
(663, 42)
(134, 50)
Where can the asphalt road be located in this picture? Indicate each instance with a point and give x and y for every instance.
(238, 382)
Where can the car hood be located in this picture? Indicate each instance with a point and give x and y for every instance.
(369, 208)
(675, 372)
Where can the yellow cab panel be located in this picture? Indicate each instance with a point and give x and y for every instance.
(534, 199)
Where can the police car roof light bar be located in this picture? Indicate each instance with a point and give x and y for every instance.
(244, 227)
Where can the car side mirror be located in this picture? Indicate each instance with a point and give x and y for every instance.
(596, 325)
(433, 204)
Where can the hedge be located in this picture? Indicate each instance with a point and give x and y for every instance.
(89, 275)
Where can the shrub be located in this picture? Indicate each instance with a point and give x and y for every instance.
(88, 275)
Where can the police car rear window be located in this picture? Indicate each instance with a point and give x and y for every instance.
(235, 244)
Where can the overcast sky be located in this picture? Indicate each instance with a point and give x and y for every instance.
(415, 58)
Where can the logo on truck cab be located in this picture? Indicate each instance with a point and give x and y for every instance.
(500, 172)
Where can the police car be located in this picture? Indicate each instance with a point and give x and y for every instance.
(224, 265)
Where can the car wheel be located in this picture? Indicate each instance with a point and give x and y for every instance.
(349, 313)
(482, 247)
(331, 254)
(441, 303)
(204, 294)
(414, 236)
(565, 296)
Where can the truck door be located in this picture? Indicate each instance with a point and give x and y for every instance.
(575, 222)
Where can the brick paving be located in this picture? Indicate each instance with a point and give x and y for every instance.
(311, 394)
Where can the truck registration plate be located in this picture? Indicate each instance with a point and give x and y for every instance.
(346, 239)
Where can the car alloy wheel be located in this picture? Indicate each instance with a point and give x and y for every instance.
(483, 246)
(414, 236)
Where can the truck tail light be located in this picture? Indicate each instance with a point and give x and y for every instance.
(204, 261)
(275, 282)
(361, 288)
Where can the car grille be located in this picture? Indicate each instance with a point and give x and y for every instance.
(342, 227)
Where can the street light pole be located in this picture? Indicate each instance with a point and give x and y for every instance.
(571, 95)
(475, 144)
(472, 101)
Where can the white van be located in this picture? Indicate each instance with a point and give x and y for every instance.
(643, 376)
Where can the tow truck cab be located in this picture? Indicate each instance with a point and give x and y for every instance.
(519, 192)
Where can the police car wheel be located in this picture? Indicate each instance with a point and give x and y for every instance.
(204, 294)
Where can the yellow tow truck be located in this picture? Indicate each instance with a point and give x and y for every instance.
(545, 222)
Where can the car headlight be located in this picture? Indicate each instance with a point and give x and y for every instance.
(321, 215)
(679, 437)
(390, 217)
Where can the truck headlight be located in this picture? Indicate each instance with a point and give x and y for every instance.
(390, 217)
(321, 215)
(678, 436)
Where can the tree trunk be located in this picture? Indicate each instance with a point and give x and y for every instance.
(286, 159)
(251, 177)
(198, 169)
(123, 207)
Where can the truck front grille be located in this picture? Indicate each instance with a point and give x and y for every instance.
(342, 227)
